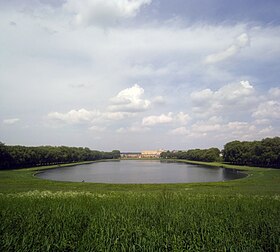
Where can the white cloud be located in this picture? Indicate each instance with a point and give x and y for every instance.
(134, 128)
(130, 100)
(242, 41)
(262, 121)
(235, 91)
(180, 131)
(201, 96)
(227, 98)
(74, 116)
(224, 131)
(179, 118)
(80, 85)
(239, 127)
(94, 65)
(274, 92)
(103, 12)
(268, 109)
(161, 119)
(205, 127)
(83, 116)
(266, 131)
(243, 130)
(183, 118)
(10, 121)
(97, 128)
(187, 133)
(159, 100)
(126, 104)
(117, 115)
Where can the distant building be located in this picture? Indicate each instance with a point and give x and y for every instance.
(151, 153)
(143, 154)
(131, 155)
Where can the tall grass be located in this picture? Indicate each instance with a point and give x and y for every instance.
(134, 221)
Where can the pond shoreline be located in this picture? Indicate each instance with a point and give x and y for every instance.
(140, 171)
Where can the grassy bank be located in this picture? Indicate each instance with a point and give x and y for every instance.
(238, 215)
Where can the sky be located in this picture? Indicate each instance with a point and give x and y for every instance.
(139, 74)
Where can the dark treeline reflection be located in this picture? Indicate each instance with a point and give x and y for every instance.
(22, 156)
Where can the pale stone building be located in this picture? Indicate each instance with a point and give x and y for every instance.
(151, 153)
(131, 155)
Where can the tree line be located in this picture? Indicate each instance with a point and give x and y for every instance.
(205, 155)
(21, 156)
(264, 153)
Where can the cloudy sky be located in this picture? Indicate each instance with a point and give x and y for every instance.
(139, 74)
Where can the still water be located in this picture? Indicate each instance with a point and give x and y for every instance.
(140, 172)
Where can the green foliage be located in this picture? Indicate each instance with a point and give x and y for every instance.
(264, 153)
(21, 156)
(237, 215)
(116, 154)
(164, 221)
(205, 155)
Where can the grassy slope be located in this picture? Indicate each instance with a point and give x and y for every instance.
(260, 181)
(237, 215)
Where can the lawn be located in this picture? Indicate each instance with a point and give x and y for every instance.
(237, 215)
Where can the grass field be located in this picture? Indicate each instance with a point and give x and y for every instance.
(237, 215)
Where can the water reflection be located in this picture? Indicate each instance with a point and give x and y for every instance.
(140, 172)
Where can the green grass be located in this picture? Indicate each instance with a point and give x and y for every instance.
(237, 215)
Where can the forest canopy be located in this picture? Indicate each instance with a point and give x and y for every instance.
(264, 153)
(206, 155)
(22, 156)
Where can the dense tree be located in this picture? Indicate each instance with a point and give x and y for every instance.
(22, 156)
(207, 155)
(264, 153)
(116, 154)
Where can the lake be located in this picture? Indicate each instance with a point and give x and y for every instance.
(140, 172)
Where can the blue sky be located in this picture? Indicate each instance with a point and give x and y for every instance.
(139, 74)
(217, 11)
